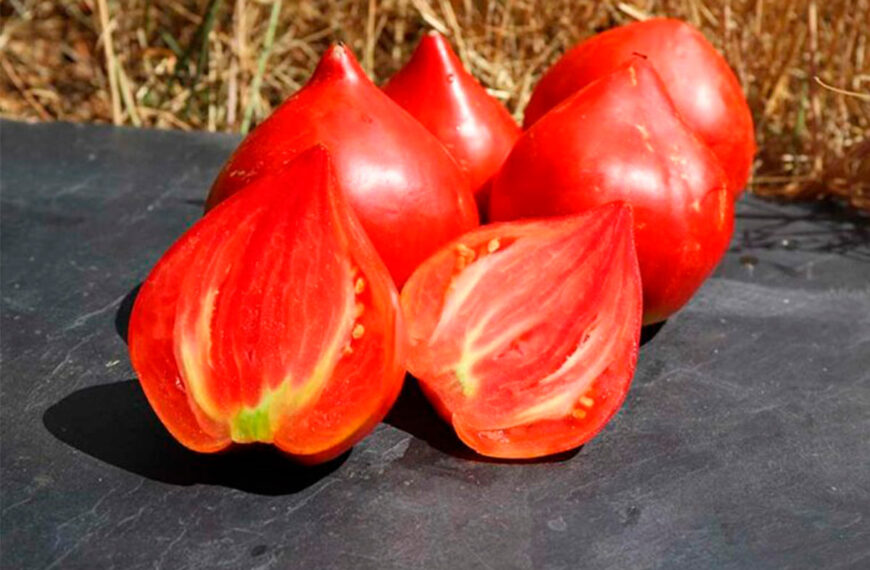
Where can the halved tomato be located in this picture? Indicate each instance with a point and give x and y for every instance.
(271, 320)
(524, 335)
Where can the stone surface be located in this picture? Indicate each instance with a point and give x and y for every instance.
(744, 443)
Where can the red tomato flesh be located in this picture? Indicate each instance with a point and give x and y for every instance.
(271, 320)
(524, 335)
(405, 188)
(620, 138)
(474, 127)
(702, 86)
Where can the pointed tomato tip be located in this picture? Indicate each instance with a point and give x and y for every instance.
(625, 221)
(303, 182)
(616, 209)
(433, 40)
(623, 212)
(639, 65)
(436, 46)
(620, 215)
(338, 59)
(317, 153)
(316, 159)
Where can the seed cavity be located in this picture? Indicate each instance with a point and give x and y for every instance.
(646, 138)
(642, 130)
(586, 402)
(465, 252)
(465, 255)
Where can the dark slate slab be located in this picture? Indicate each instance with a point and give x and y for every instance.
(744, 443)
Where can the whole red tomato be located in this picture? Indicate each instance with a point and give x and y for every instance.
(408, 192)
(620, 138)
(437, 90)
(524, 350)
(271, 320)
(699, 81)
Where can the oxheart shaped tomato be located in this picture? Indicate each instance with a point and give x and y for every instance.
(524, 335)
(271, 320)
(405, 188)
(702, 86)
(437, 90)
(620, 138)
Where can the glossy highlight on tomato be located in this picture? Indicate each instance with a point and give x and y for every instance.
(702, 86)
(524, 335)
(405, 188)
(620, 138)
(476, 128)
(271, 320)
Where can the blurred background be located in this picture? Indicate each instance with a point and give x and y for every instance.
(223, 65)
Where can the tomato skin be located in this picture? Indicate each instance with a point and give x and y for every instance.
(521, 383)
(620, 138)
(405, 188)
(702, 86)
(271, 320)
(475, 128)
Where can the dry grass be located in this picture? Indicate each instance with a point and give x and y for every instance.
(195, 64)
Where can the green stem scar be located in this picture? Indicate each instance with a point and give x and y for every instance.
(462, 372)
(257, 423)
(252, 424)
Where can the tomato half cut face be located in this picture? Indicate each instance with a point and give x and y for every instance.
(271, 320)
(524, 335)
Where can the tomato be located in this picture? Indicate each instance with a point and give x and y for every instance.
(524, 335)
(703, 88)
(620, 138)
(271, 320)
(408, 192)
(437, 90)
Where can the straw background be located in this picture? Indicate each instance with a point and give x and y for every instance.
(221, 65)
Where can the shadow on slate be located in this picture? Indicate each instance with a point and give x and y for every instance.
(649, 332)
(115, 424)
(125, 309)
(413, 415)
